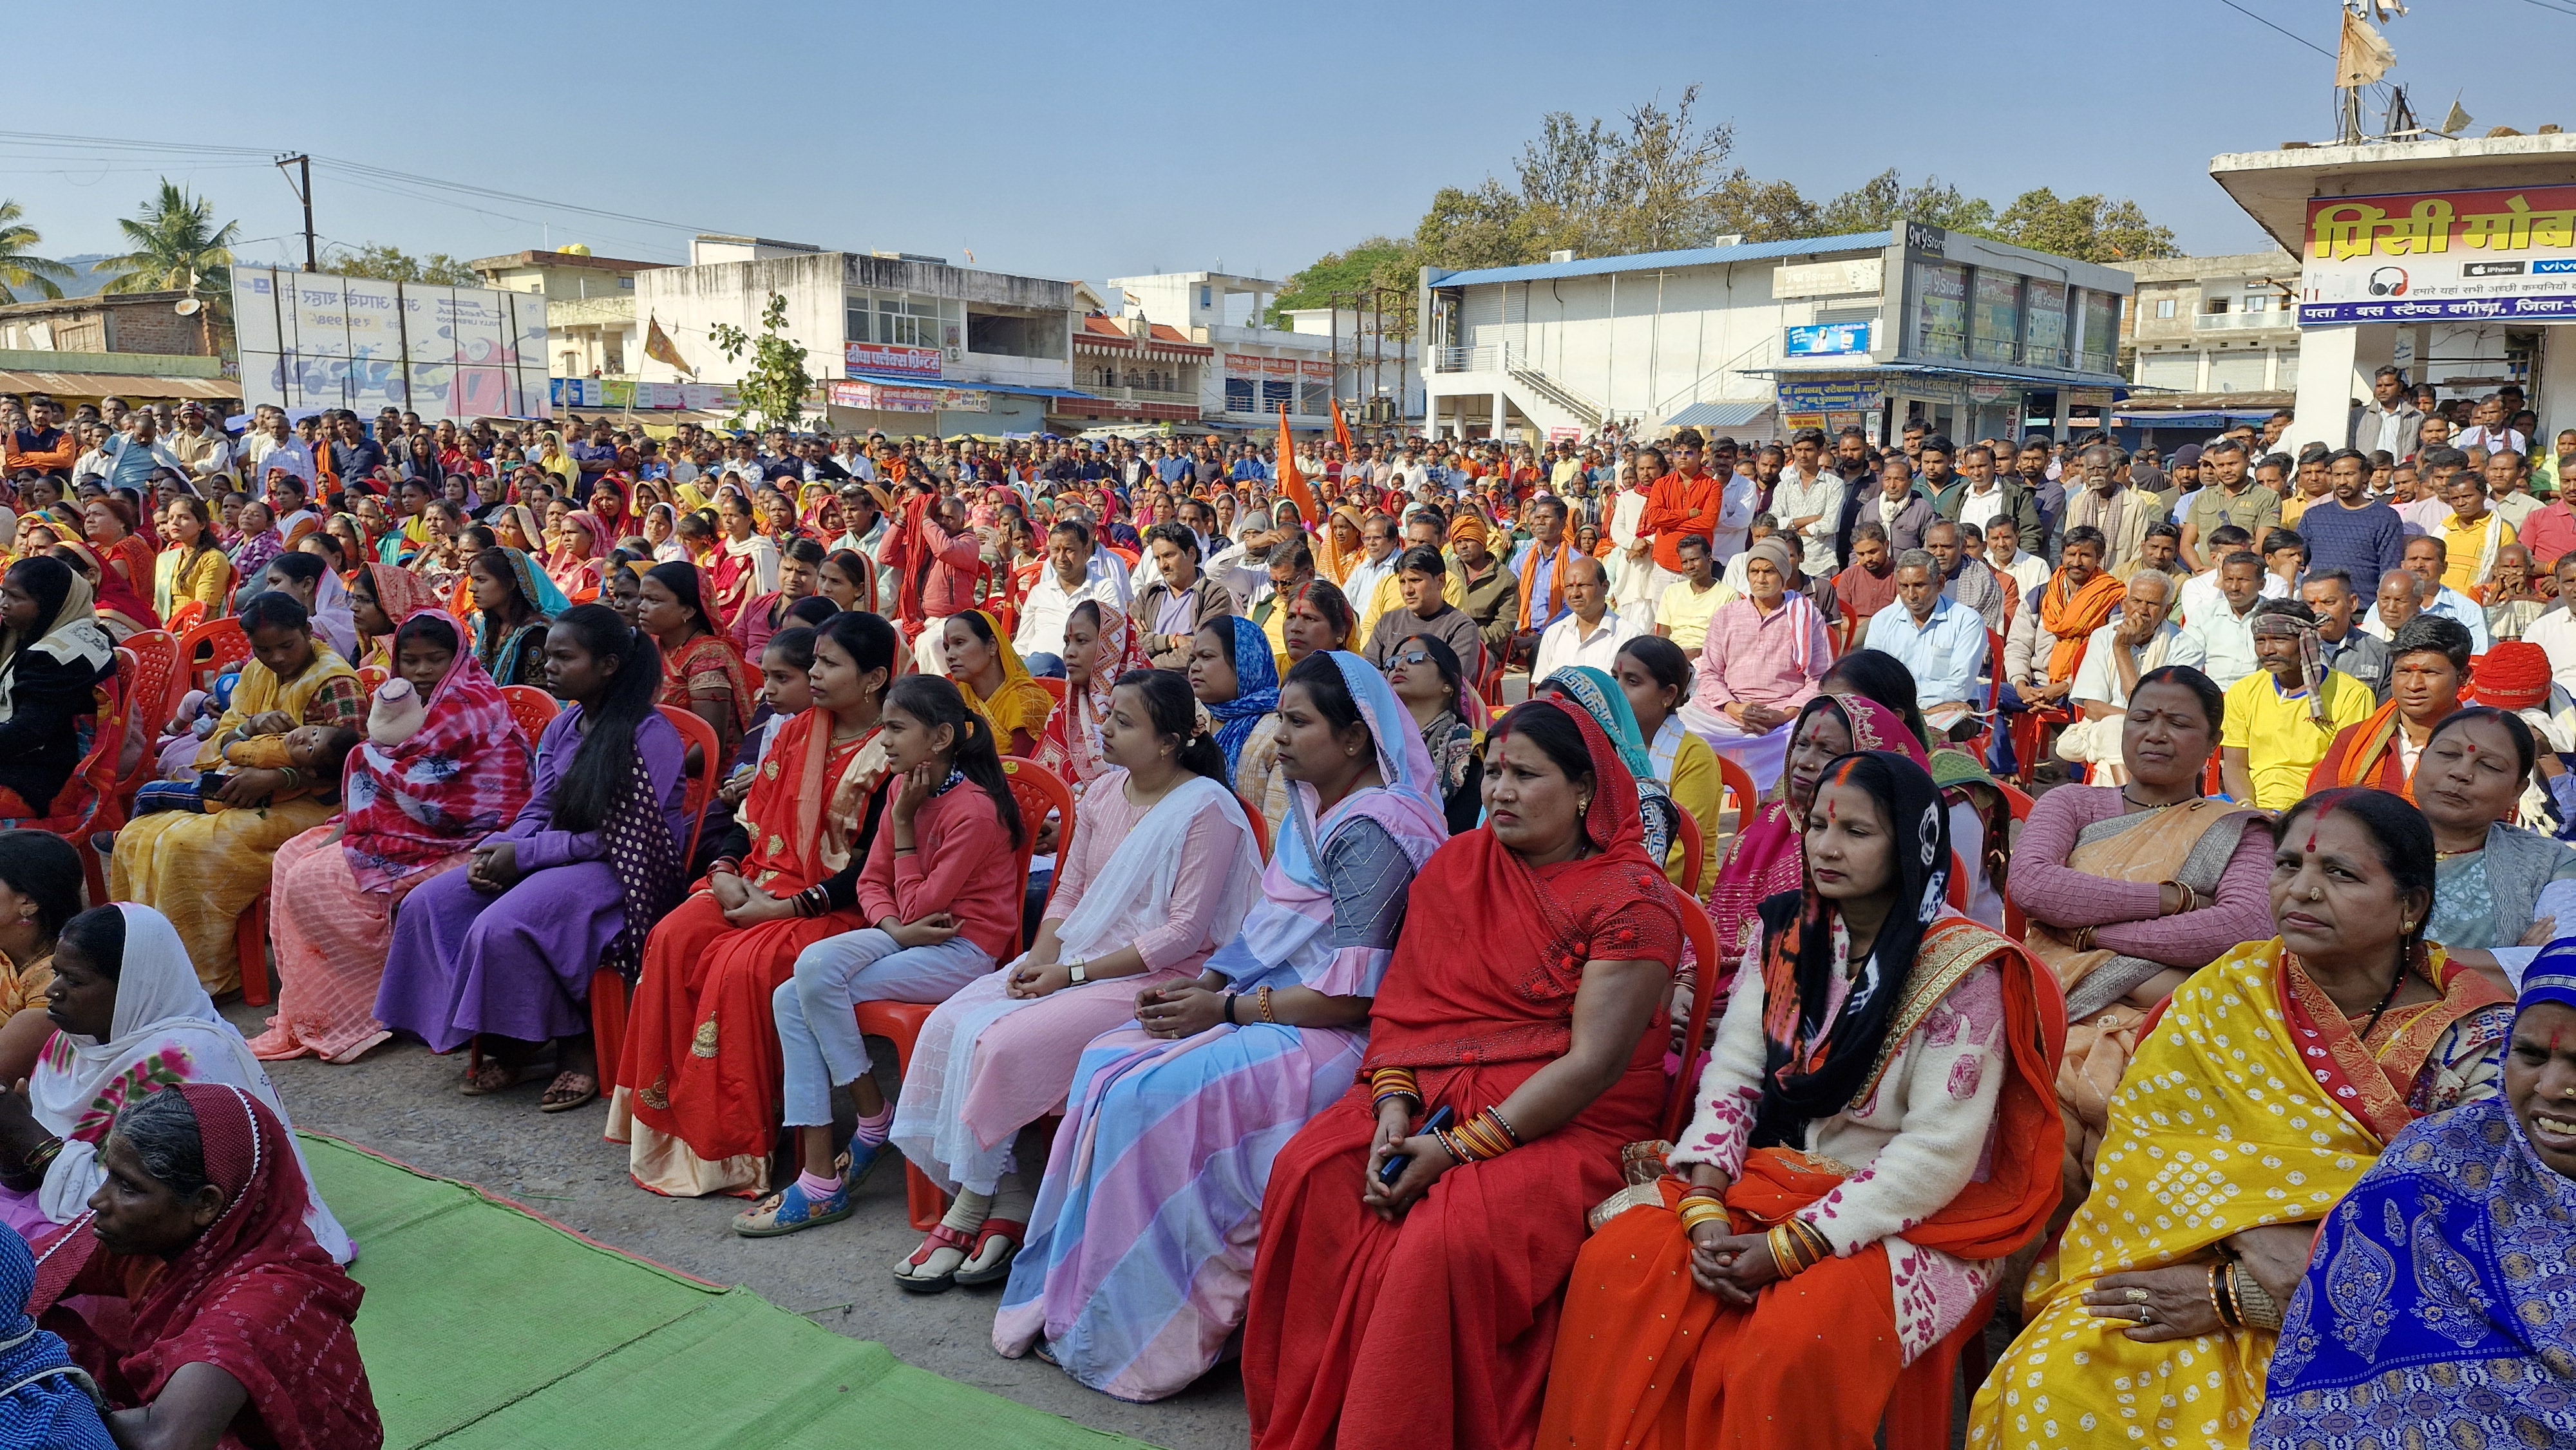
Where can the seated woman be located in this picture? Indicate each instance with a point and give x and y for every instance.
(381, 597)
(1764, 657)
(129, 1019)
(582, 542)
(1160, 874)
(312, 584)
(2132, 888)
(1316, 617)
(1655, 676)
(114, 528)
(942, 887)
(54, 654)
(204, 871)
(697, 1096)
(1100, 647)
(1423, 671)
(1232, 673)
(2420, 1320)
(514, 604)
(1409, 1273)
(236, 1324)
(40, 889)
(122, 612)
(1182, 1114)
(2272, 1081)
(2428, 662)
(2493, 901)
(1875, 1123)
(503, 950)
(411, 809)
(1977, 814)
(192, 566)
(50, 1399)
(702, 673)
(996, 684)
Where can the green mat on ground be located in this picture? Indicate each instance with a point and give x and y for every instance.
(485, 1325)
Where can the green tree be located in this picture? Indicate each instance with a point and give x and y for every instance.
(19, 267)
(1885, 201)
(1488, 227)
(1377, 262)
(777, 385)
(386, 262)
(1761, 211)
(2090, 228)
(177, 248)
(1662, 177)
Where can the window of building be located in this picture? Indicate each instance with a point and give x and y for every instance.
(2214, 306)
(900, 319)
(1006, 335)
(1281, 393)
(2164, 307)
(1207, 298)
(1242, 396)
(2257, 302)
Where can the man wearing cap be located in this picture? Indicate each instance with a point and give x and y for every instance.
(2281, 719)
(1763, 659)
(204, 449)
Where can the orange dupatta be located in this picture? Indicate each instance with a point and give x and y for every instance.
(2367, 755)
(2073, 618)
(1555, 578)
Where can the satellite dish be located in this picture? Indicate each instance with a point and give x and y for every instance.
(188, 307)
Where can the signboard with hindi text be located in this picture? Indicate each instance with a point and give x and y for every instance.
(2507, 254)
(310, 340)
(883, 357)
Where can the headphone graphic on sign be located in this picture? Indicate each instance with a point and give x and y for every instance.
(2388, 282)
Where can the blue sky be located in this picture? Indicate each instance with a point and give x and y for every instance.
(1116, 138)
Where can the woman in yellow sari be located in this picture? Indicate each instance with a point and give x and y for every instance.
(203, 872)
(996, 685)
(2269, 1084)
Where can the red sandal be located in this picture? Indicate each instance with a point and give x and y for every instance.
(941, 1237)
(999, 1269)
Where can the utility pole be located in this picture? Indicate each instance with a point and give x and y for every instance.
(304, 193)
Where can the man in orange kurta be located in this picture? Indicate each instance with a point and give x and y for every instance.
(1682, 503)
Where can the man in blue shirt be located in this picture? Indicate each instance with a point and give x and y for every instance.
(2345, 530)
(1941, 640)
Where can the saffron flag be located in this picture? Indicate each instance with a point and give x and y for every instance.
(1291, 482)
(1341, 429)
(657, 346)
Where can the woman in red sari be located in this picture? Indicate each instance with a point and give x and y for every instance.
(1422, 1313)
(697, 1095)
(576, 563)
(237, 1328)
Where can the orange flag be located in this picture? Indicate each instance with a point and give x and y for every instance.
(1341, 430)
(1291, 482)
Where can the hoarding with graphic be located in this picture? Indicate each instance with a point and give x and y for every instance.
(2507, 254)
(310, 340)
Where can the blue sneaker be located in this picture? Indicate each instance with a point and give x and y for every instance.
(789, 1210)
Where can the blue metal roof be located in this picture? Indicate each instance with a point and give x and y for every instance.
(1719, 414)
(1653, 261)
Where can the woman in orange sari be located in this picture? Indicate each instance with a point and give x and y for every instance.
(2428, 671)
(697, 1097)
(1418, 1307)
(701, 670)
(113, 528)
(1878, 1123)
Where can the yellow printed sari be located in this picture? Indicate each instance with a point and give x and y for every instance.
(2250, 1102)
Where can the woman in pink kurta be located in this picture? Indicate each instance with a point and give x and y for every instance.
(1160, 872)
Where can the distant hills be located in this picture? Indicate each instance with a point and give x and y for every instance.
(88, 282)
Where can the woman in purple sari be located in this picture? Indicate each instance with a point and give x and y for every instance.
(503, 950)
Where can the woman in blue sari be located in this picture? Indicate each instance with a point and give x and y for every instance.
(2437, 1307)
(1234, 675)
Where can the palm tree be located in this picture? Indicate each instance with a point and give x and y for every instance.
(177, 248)
(19, 268)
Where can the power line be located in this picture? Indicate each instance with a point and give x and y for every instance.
(2294, 35)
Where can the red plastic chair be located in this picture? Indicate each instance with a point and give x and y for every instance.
(1702, 935)
(1734, 780)
(185, 616)
(534, 709)
(86, 805)
(1260, 827)
(154, 666)
(608, 1004)
(1038, 791)
(212, 648)
(1053, 685)
(1694, 854)
(2212, 780)
(2016, 925)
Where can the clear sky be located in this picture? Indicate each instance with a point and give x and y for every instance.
(1128, 137)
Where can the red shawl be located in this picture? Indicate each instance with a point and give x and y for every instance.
(459, 778)
(1511, 998)
(115, 596)
(907, 552)
(1071, 746)
(254, 1296)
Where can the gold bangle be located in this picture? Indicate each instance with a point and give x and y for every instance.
(1700, 1212)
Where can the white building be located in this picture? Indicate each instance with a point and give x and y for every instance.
(1973, 337)
(2453, 261)
(591, 327)
(900, 343)
(2215, 324)
(1253, 370)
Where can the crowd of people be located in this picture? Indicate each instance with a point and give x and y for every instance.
(1458, 927)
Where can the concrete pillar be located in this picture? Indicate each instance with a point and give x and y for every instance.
(1497, 434)
(2555, 398)
(2327, 362)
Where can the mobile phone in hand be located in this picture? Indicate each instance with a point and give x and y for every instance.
(1396, 1165)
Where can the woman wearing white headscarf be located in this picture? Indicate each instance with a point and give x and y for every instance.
(53, 653)
(129, 1019)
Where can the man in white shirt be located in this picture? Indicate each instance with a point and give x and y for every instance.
(2139, 638)
(2018, 572)
(1378, 538)
(1735, 510)
(2390, 420)
(2555, 631)
(1591, 631)
(2220, 642)
(206, 450)
(2488, 429)
(1808, 502)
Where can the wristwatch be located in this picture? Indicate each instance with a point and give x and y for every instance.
(1078, 971)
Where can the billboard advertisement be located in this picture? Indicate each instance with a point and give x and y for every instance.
(310, 340)
(2508, 253)
(1829, 339)
(861, 358)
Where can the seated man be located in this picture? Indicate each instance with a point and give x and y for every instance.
(2139, 638)
(1941, 640)
(2512, 601)
(2219, 642)
(1421, 576)
(1964, 576)
(2428, 668)
(1589, 634)
(1868, 585)
(1687, 605)
(2426, 558)
(2348, 648)
(2278, 722)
